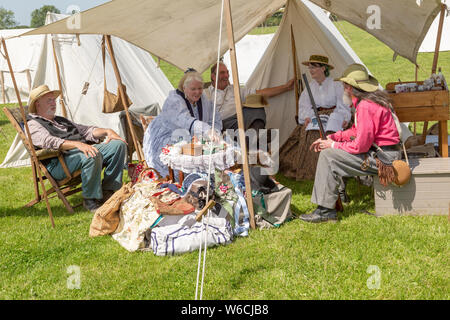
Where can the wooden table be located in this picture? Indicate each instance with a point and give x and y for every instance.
(423, 106)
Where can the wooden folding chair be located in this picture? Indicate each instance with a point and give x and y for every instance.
(61, 188)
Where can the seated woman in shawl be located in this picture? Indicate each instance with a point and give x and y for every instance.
(297, 161)
(187, 112)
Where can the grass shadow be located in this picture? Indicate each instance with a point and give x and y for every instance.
(40, 209)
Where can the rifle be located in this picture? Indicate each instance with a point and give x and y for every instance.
(339, 206)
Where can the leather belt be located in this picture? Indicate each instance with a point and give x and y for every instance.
(321, 108)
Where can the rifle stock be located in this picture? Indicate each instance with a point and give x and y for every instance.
(313, 103)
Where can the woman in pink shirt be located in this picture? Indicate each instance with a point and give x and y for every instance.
(349, 153)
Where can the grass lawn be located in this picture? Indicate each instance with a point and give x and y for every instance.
(409, 255)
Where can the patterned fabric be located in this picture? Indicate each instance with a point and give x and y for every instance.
(138, 214)
(296, 160)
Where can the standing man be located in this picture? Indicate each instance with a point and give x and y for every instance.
(81, 147)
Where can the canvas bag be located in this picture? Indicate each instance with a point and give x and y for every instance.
(111, 102)
(106, 218)
(274, 207)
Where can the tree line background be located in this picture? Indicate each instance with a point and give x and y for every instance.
(7, 20)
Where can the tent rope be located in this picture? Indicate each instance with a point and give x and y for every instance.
(205, 229)
(88, 78)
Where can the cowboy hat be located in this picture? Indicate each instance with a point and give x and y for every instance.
(317, 58)
(39, 92)
(357, 76)
(255, 101)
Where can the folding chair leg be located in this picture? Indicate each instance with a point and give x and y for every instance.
(36, 186)
(49, 209)
(57, 190)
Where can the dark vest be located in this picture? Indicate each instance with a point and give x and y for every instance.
(188, 104)
(71, 134)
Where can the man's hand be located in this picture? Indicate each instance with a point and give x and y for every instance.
(88, 150)
(112, 135)
(290, 84)
(321, 144)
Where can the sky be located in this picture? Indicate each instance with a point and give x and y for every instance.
(22, 8)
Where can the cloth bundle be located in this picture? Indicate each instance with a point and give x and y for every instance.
(186, 235)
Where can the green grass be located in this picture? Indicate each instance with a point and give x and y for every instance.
(295, 261)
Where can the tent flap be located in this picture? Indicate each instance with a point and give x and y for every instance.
(185, 32)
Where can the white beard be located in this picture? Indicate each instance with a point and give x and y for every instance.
(347, 99)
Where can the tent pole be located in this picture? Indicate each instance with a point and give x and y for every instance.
(27, 130)
(137, 145)
(294, 58)
(438, 38)
(434, 67)
(58, 74)
(240, 116)
(29, 79)
(2, 80)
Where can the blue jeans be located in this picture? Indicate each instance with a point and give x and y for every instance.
(111, 156)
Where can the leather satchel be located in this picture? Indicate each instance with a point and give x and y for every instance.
(111, 102)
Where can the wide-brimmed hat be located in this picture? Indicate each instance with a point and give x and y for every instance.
(255, 101)
(317, 58)
(357, 76)
(38, 92)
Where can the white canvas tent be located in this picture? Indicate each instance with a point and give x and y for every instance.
(26, 51)
(429, 42)
(314, 33)
(146, 83)
(249, 51)
(185, 32)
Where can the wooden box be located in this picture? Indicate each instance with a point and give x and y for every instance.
(419, 106)
(192, 149)
(427, 193)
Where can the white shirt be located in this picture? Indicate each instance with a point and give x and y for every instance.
(225, 99)
(326, 95)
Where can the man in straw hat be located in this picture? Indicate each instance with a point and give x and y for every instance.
(349, 153)
(81, 146)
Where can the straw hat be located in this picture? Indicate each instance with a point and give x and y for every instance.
(317, 58)
(255, 101)
(357, 76)
(38, 92)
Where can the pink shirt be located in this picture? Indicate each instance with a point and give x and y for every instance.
(373, 123)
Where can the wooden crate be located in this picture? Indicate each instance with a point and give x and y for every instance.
(420, 106)
(427, 193)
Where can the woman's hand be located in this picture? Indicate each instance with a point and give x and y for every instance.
(321, 144)
(307, 121)
(214, 136)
